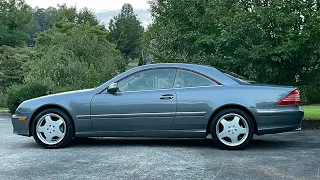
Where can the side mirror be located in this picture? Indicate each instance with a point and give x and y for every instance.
(113, 88)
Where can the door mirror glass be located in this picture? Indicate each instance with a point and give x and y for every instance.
(113, 88)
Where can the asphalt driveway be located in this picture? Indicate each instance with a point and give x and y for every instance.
(294, 155)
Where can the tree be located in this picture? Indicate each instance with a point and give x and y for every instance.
(11, 62)
(42, 19)
(75, 56)
(126, 32)
(268, 41)
(15, 16)
(71, 15)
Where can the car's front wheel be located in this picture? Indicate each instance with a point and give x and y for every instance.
(52, 128)
(232, 129)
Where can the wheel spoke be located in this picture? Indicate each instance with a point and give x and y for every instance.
(42, 129)
(242, 130)
(224, 122)
(49, 120)
(235, 121)
(223, 134)
(49, 136)
(59, 122)
(234, 138)
(58, 133)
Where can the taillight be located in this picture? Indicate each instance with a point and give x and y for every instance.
(292, 99)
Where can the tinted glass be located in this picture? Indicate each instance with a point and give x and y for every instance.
(191, 79)
(148, 80)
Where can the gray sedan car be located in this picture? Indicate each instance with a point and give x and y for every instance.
(163, 100)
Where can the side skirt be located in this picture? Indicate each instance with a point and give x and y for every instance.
(197, 133)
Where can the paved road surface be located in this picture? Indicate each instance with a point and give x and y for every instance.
(294, 155)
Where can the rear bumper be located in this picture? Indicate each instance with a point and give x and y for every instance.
(279, 119)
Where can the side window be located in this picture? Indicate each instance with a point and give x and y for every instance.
(148, 80)
(190, 79)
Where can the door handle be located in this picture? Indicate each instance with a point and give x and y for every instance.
(166, 96)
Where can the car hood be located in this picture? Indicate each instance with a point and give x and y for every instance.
(61, 95)
(66, 99)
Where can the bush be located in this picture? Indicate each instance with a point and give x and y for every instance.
(310, 94)
(16, 94)
(2, 101)
(11, 61)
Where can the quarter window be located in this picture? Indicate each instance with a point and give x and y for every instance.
(190, 79)
(148, 80)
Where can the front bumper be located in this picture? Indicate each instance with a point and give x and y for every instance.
(21, 127)
(279, 119)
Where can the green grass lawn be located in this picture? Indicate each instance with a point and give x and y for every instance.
(311, 112)
(1, 109)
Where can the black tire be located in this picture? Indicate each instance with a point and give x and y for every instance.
(225, 112)
(69, 133)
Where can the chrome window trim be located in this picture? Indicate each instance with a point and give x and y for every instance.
(177, 68)
(198, 87)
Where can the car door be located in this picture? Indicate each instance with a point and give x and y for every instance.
(146, 100)
(194, 106)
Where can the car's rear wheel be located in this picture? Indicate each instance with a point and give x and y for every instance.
(52, 128)
(232, 129)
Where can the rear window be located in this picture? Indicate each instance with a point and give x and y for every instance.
(237, 78)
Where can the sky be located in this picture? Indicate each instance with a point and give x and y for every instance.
(95, 5)
(104, 9)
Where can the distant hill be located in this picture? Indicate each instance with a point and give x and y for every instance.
(143, 15)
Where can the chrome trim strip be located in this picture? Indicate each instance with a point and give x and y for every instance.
(83, 116)
(165, 114)
(200, 113)
(192, 133)
(135, 114)
(274, 112)
(170, 130)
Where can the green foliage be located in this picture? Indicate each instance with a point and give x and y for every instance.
(140, 63)
(71, 15)
(310, 94)
(75, 55)
(42, 19)
(11, 62)
(2, 101)
(14, 18)
(126, 32)
(274, 42)
(16, 94)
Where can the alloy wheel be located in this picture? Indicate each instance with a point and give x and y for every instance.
(232, 129)
(51, 129)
